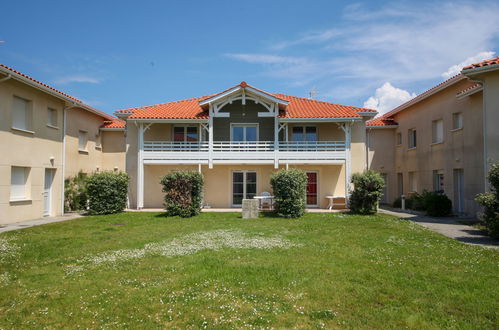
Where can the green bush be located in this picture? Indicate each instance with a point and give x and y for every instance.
(183, 193)
(107, 192)
(437, 205)
(490, 202)
(368, 189)
(75, 193)
(290, 191)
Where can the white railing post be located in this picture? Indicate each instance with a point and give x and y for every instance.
(348, 158)
(210, 138)
(140, 168)
(276, 135)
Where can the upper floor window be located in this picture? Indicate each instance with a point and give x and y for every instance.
(457, 120)
(21, 114)
(52, 117)
(398, 139)
(82, 140)
(437, 129)
(18, 183)
(185, 134)
(244, 132)
(304, 134)
(412, 141)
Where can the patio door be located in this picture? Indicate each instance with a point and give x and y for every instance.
(312, 200)
(243, 186)
(47, 191)
(244, 133)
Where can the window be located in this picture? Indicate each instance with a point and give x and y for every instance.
(21, 114)
(437, 129)
(457, 120)
(244, 133)
(412, 138)
(412, 182)
(185, 134)
(243, 186)
(82, 141)
(18, 183)
(398, 140)
(98, 143)
(438, 181)
(52, 117)
(304, 134)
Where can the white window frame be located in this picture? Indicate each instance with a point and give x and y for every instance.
(52, 122)
(437, 131)
(460, 121)
(244, 172)
(185, 133)
(232, 125)
(438, 180)
(27, 115)
(304, 132)
(412, 138)
(413, 184)
(85, 134)
(98, 141)
(19, 187)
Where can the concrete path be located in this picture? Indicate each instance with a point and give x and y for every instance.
(37, 222)
(449, 227)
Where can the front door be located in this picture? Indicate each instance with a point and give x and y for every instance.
(312, 189)
(243, 186)
(47, 191)
(459, 190)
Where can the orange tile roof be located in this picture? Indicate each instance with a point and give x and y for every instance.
(115, 123)
(469, 88)
(490, 61)
(40, 83)
(380, 121)
(297, 107)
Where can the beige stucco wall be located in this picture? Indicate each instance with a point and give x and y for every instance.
(113, 150)
(461, 149)
(29, 150)
(218, 182)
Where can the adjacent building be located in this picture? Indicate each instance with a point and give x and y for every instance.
(237, 138)
(442, 140)
(45, 137)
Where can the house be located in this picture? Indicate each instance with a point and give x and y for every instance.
(237, 138)
(442, 140)
(45, 137)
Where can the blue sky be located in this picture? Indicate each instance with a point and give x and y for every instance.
(119, 54)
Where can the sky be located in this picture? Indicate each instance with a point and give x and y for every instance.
(121, 54)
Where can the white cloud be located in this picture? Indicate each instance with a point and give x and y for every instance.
(387, 97)
(455, 69)
(403, 43)
(77, 79)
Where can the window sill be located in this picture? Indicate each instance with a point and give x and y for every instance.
(20, 201)
(22, 130)
(52, 126)
(413, 148)
(456, 129)
(436, 143)
(85, 152)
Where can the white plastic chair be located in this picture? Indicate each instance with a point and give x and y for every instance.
(266, 202)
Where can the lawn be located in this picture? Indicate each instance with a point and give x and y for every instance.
(144, 270)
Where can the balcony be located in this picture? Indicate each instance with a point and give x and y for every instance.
(260, 152)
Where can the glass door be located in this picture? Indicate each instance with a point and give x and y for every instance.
(312, 189)
(243, 186)
(244, 133)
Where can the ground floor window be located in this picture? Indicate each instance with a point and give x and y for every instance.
(312, 188)
(19, 183)
(438, 181)
(243, 186)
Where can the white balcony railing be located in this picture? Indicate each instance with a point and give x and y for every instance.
(232, 152)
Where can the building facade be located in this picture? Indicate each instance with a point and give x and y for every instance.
(237, 139)
(45, 137)
(442, 140)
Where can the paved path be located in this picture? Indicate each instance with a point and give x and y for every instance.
(37, 222)
(449, 227)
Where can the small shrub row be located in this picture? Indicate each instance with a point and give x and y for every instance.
(98, 193)
(433, 203)
(490, 202)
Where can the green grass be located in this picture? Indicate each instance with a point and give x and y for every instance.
(334, 271)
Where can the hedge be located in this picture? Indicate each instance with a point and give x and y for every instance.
(490, 202)
(368, 189)
(183, 193)
(107, 192)
(290, 190)
(75, 193)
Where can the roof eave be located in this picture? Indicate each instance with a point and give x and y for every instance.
(320, 119)
(238, 88)
(479, 70)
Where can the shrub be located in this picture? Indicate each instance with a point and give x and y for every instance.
(290, 191)
(490, 202)
(107, 192)
(437, 205)
(75, 193)
(183, 193)
(368, 189)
